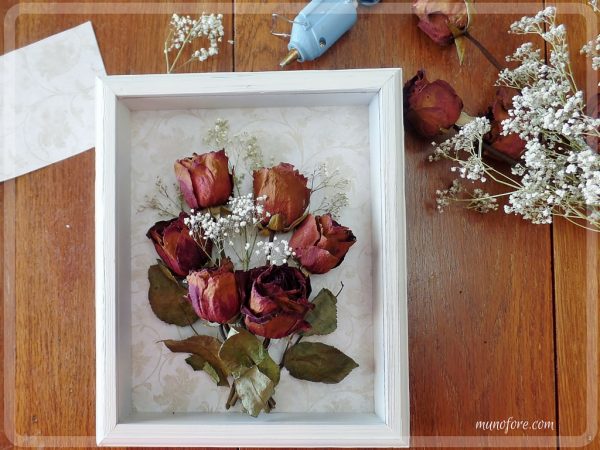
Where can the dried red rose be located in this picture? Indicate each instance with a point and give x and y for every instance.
(179, 251)
(214, 295)
(204, 179)
(278, 302)
(287, 195)
(439, 19)
(321, 243)
(511, 145)
(431, 108)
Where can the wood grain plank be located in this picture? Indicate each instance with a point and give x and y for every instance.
(55, 390)
(576, 268)
(480, 293)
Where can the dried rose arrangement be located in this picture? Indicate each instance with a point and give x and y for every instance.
(539, 123)
(222, 262)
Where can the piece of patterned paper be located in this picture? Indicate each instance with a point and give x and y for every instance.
(47, 108)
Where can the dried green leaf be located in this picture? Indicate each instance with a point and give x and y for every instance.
(167, 298)
(206, 348)
(242, 351)
(323, 318)
(254, 389)
(315, 361)
(197, 362)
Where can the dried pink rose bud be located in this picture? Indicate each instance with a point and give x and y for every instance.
(511, 145)
(438, 19)
(179, 251)
(287, 195)
(214, 295)
(321, 243)
(278, 302)
(204, 179)
(431, 108)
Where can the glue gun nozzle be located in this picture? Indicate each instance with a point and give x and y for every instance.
(292, 56)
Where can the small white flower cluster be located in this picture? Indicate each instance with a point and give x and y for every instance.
(242, 145)
(446, 196)
(241, 212)
(276, 252)
(478, 200)
(592, 50)
(335, 188)
(184, 29)
(218, 135)
(464, 140)
(237, 229)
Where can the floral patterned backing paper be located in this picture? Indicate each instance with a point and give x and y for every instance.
(305, 137)
(47, 102)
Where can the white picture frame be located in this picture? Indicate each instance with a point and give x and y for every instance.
(381, 90)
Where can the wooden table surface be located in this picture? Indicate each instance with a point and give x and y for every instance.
(502, 313)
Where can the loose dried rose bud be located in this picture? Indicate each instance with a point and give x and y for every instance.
(214, 295)
(511, 145)
(179, 251)
(287, 195)
(278, 302)
(204, 179)
(431, 108)
(321, 243)
(439, 19)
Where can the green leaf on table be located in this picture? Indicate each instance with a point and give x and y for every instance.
(198, 362)
(315, 361)
(254, 389)
(242, 351)
(167, 298)
(323, 318)
(205, 356)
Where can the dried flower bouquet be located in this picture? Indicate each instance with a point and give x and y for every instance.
(224, 261)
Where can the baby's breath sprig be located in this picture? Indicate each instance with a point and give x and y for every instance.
(236, 233)
(334, 187)
(560, 170)
(243, 149)
(183, 30)
(164, 202)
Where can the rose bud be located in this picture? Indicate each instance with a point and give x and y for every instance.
(245, 280)
(278, 302)
(204, 179)
(431, 108)
(438, 19)
(213, 294)
(179, 251)
(321, 243)
(512, 145)
(287, 195)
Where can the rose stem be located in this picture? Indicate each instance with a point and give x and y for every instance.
(222, 332)
(493, 61)
(188, 320)
(271, 402)
(341, 289)
(266, 342)
(284, 352)
(492, 151)
(232, 398)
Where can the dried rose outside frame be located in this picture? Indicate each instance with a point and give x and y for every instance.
(221, 262)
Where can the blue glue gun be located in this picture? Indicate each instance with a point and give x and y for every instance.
(317, 27)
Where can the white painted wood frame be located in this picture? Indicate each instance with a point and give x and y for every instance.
(381, 90)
